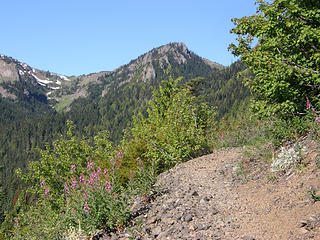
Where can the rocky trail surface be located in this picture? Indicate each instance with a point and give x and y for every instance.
(210, 198)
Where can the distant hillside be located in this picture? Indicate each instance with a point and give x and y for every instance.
(114, 97)
(18, 80)
(147, 69)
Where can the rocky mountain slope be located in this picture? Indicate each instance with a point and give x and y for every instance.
(208, 198)
(11, 71)
(148, 69)
(61, 90)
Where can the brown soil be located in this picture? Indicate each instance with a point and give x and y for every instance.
(206, 198)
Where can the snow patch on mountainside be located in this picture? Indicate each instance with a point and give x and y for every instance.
(55, 88)
(64, 78)
(41, 80)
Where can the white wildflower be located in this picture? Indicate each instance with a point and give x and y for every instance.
(287, 158)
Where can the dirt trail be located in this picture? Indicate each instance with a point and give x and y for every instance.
(205, 199)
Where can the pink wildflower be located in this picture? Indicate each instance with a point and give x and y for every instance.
(108, 186)
(82, 178)
(308, 104)
(74, 183)
(86, 208)
(66, 189)
(90, 166)
(73, 168)
(120, 155)
(317, 119)
(90, 181)
(94, 177)
(43, 184)
(16, 222)
(85, 196)
(46, 192)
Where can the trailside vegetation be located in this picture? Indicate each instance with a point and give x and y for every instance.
(80, 186)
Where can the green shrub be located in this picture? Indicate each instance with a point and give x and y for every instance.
(174, 130)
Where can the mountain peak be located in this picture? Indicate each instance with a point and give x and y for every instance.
(163, 56)
(173, 46)
(149, 68)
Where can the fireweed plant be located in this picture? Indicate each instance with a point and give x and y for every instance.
(74, 194)
(95, 199)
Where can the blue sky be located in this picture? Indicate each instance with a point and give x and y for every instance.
(74, 37)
